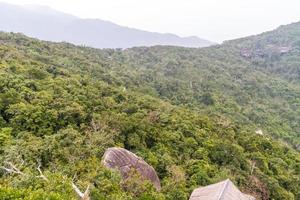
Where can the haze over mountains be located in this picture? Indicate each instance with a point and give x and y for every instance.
(48, 24)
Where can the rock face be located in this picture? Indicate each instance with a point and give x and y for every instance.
(224, 190)
(125, 161)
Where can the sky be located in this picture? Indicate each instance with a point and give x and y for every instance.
(215, 20)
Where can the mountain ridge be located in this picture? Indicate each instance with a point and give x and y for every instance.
(57, 26)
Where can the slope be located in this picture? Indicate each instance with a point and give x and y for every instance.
(253, 81)
(61, 106)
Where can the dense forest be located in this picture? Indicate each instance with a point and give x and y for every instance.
(191, 113)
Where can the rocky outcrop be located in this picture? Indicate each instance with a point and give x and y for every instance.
(125, 161)
(284, 50)
(246, 53)
(265, 52)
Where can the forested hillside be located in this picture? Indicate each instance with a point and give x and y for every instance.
(190, 113)
(254, 81)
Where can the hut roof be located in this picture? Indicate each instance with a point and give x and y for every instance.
(224, 190)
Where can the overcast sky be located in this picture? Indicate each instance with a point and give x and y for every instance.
(215, 20)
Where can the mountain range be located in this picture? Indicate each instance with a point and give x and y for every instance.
(48, 24)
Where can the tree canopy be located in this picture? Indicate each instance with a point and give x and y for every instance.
(190, 113)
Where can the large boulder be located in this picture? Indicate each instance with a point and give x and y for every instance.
(126, 161)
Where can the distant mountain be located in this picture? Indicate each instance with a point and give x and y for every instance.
(48, 24)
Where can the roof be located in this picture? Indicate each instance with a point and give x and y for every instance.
(224, 190)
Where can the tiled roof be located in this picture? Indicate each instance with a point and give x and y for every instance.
(224, 190)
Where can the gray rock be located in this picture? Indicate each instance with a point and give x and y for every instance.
(125, 161)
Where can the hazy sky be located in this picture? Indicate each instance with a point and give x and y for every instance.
(215, 20)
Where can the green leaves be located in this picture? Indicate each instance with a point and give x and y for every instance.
(195, 124)
(5, 136)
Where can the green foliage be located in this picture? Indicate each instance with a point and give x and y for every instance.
(5, 136)
(61, 106)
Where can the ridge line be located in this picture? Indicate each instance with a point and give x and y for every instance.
(222, 191)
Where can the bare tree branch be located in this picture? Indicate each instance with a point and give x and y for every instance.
(12, 169)
(80, 194)
(94, 125)
(83, 196)
(41, 173)
(253, 163)
(86, 195)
